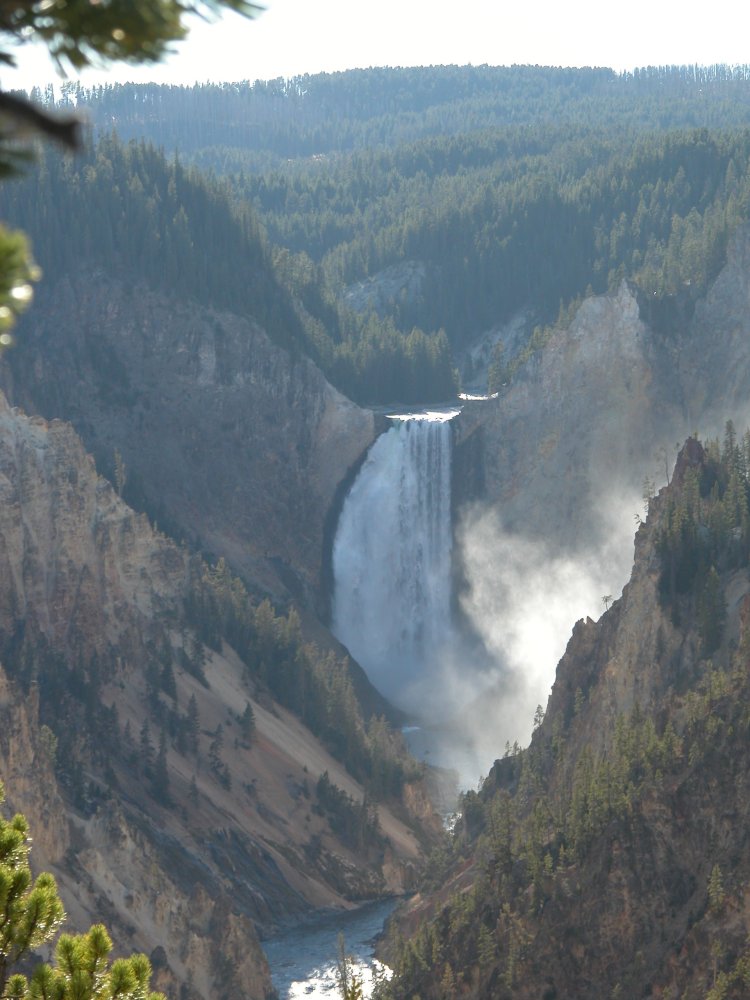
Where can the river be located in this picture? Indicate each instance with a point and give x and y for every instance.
(303, 957)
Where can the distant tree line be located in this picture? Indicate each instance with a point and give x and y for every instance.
(514, 187)
(128, 212)
(317, 115)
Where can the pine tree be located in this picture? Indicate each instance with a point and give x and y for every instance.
(712, 611)
(160, 780)
(192, 724)
(146, 749)
(195, 659)
(214, 757)
(349, 983)
(32, 914)
(215, 748)
(716, 892)
(167, 680)
(247, 723)
(129, 751)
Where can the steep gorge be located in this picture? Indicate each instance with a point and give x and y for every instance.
(242, 448)
(610, 858)
(98, 645)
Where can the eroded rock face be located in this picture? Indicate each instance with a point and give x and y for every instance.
(381, 291)
(577, 422)
(226, 438)
(89, 576)
(713, 360)
(184, 877)
(78, 563)
(562, 454)
(27, 773)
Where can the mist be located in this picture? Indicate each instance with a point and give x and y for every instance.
(521, 598)
(471, 681)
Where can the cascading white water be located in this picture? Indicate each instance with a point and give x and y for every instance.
(392, 557)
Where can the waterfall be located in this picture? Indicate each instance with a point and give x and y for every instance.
(392, 558)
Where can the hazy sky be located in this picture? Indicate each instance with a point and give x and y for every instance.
(308, 36)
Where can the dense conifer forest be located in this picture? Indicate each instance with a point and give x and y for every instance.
(503, 189)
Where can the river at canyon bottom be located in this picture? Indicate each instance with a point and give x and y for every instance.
(303, 957)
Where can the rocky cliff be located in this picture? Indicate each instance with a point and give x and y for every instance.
(610, 858)
(549, 476)
(182, 850)
(580, 424)
(600, 408)
(228, 440)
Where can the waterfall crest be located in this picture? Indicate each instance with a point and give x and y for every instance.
(392, 557)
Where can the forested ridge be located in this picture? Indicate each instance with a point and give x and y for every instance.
(605, 859)
(128, 211)
(324, 113)
(503, 188)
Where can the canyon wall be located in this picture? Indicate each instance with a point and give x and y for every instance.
(92, 612)
(609, 858)
(225, 438)
(604, 406)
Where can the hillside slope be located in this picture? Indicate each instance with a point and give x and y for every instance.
(227, 439)
(611, 858)
(168, 791)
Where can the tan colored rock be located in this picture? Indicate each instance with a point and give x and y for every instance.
(577, 426)
(186, 882)
(240, 445)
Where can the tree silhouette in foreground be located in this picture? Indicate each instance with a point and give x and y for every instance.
(31, 913)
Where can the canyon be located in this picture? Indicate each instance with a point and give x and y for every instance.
(243, 451)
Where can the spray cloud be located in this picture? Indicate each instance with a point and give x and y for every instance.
(522, 597)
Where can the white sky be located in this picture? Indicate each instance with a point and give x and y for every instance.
(308, 36)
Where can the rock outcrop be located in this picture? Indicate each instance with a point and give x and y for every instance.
(227, 439)
(610, 858)
(713, 358)
(399, 283)
(600, 408)
(92, 611)
(584, 418)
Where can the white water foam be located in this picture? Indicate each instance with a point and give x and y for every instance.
(392, 558)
